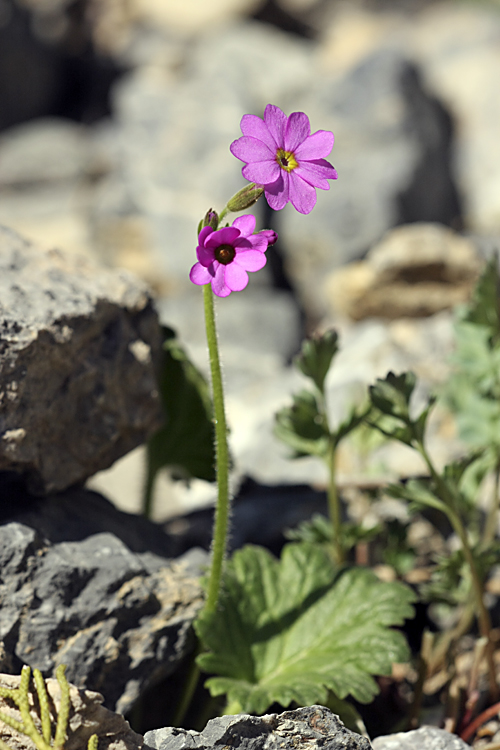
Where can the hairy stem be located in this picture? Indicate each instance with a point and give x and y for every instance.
(334, 506)
(219, 541)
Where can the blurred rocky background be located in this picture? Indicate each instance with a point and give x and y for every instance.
(116, 118)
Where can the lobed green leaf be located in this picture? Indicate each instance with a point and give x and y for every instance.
(292, 629)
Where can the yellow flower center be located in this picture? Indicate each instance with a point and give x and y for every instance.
(286, 160)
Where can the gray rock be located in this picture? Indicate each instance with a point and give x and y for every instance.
(425, 738)
(312, 728)
(77, 365)
(120, 619)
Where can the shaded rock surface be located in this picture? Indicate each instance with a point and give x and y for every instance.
(416, 270)
(119, 616)
(87, 717)
(77, 365)
(313, 728)
(425, 738)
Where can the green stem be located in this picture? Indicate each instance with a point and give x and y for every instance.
(334, 506)
(490, 527)
(223, 214)
(482, 613)
(222, 456)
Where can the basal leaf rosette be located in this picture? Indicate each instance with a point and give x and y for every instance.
(292, 629)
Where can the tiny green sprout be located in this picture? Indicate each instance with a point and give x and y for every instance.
(20, 696)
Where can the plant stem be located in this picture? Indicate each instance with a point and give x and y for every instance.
(490, 527)
(221, 521)
(482, 613)
(334, 506)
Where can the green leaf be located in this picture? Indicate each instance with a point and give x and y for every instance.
(185, 443)
(392, 394)
(316, 356)
(302, 426)
(484, 309)
(292, 629)
(319, 530)
(419, 492)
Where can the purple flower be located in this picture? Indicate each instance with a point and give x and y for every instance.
(282, 155)
(225, 255)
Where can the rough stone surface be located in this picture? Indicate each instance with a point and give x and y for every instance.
(312, 728)
(119, 616)
(87, 717)
(425, 738)
(415, 271)
(77, 365)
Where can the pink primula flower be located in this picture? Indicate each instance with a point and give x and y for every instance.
(282, 155)
(226, 255)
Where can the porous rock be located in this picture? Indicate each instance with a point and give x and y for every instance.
(120, 619)
(416, 270)
(425, 738)
(313, 728)
(78, 346)
(87, 717)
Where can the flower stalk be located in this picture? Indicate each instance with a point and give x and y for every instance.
(221, 521)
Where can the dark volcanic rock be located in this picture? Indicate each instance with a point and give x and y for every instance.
(78, 346)
(120, 619)
(313, 728)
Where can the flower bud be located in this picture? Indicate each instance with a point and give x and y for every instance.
(211, 219)
(270, 235)
(245, 198)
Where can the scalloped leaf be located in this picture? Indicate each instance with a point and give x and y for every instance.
(316, 356)
(292, 629)
(302, 427)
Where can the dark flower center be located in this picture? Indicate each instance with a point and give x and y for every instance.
(225, 254)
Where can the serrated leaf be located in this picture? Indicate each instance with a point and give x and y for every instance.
(186, 442)
(392, 394)
(484, 309)
(418, 492)
(316, 356)
(292, 629)
(302, 426)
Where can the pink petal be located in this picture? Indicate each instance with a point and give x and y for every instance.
(205, 256)
(297, 130)
(316, 173)
(316, 146)
(270, 235)
(224, 236)
(255, 127)
(219, 285)
(258, 242)
(261, 172)
(302, 195)
(246, 224)
(204, 234)
(236, 277)
(276, 120)
(251, 149)
(200, 275)
(277, 193)
(250, 260)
